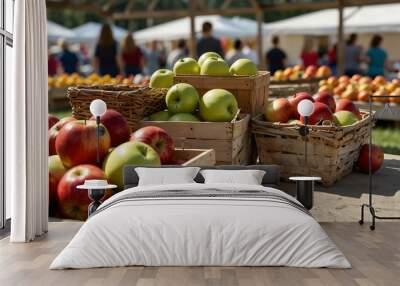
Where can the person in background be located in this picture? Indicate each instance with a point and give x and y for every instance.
(52, 64)
(236, 53)
(308, 55)
(152, 58)
(377, 58)
(276, 57)
(250, 53)
(208, 43)
(177, 53)
(106, 59)
(352, 56)
(68, 59)
(132, 59)
(332, 59)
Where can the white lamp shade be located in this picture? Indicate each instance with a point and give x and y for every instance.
(98, 107)
(305, 107)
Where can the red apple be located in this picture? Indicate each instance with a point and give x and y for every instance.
(327, 98)
(295, 100)
(54, 131)
(52, 120)
(56, 172)
(346, 104)
(157, 138)
(73, 203)
(377, 158)
(116, 125)
(321, 112)
(279, 110)
(76, 143)
(311, 70)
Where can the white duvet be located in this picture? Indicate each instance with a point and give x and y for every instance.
(200, 231)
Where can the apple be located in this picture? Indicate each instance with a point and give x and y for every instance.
(116, 125)
(52, 119)
(218, 105)
(158, 139)
(380, 93)
(311, 70)
(163, 115)
(365, 80)
(380, 80)
(287, 72)
(72, 202)
(396, 93)
(215, 66)
(345, 118)
(182, 98)
(323, 71)
(54, 131)
(356, 78)
(298, 68)
(377, 158)
(162, 78)
(363, 96)
(295, 100)
(325, 88)
(56, 172)
(186, 66)
(184, 117)
(344, 79)
(365, 87)
(279, 110)
(333, 81)
(243, 67)
(128, 153)
(345, 104)
(278, 75)
(321, 112)
(327, 98)
(207, 55)
(350, 94)
(76, 143)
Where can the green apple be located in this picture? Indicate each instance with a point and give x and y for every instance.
(218, 105)
(186, 66)
(184, 117)
(182, 98)
(345, 118)
(207, 55)
(128, 153)
(162, 78)
(243, 67)
(294, 122)
(215, 66)
(163, 115)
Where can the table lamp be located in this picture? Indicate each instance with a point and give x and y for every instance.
(305, 109)
(98, 107)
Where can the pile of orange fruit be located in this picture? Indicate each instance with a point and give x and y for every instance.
(299, 72)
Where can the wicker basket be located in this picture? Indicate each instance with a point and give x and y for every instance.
(133, 102)
(331, 150)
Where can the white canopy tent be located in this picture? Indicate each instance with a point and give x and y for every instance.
(90, 32)
(365, 19)
(56, 31)
(180, 28)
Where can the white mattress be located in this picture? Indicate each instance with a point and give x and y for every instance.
(192, 231)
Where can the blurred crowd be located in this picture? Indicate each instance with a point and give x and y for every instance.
(372, 61)
(130, 59)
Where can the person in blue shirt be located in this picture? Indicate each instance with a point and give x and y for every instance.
(68, 59)
(377, 57)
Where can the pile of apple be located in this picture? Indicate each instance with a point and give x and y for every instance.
(360, 88)
(209, 63)
(75, 79)
(299, 72)
(73, 157)
(326, 110)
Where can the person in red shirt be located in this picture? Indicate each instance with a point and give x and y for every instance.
(53, 64)
(132, 58)
(308, 55)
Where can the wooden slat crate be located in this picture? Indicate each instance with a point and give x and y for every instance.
(331, 150)
(196, 157)
(251, 92)
(230, 140)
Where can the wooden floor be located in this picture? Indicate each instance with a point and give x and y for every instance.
(375, 257)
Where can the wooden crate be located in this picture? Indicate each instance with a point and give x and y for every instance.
(331, 150)
(251, 92)
(196, 157)
(230, 140)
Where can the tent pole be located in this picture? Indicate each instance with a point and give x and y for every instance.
(260, 18)
(340, 42)
(192, 47)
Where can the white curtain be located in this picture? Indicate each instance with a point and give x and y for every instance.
(26, 123)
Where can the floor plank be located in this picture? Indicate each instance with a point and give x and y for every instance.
(375, 257)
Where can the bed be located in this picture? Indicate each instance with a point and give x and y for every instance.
(199, 224)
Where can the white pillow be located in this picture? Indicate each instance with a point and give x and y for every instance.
(166, 176)
(248, 177)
